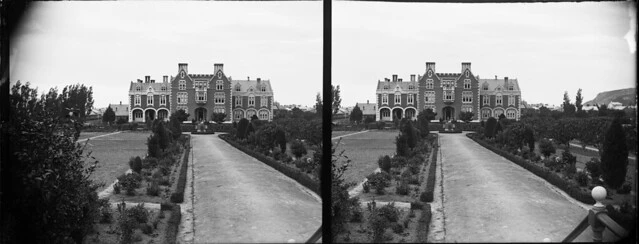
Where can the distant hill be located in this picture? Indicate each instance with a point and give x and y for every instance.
(625, 96)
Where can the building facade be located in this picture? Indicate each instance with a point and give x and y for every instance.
(201, 95)
(448, 95)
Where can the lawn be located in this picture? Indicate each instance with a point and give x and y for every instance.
(364, 149)
(85, 135)
(113, 153)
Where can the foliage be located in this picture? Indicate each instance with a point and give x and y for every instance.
(242, 128)
(47, 195)
(569, 108)
(379, 181)
(109, 115)
(582, 178)
(218, 117)
(153, 189)
(265, 136)
(178, 195)
(106, 213)
(390, 212)
(578, 100)
(138, 213)
(546, 148)
(176, 119)
(384, 163)
(297, 148)
(153, 146)
(378, 225)
(280, 139)
(135, 164)
(423, 118)
(491, 124)
(318, 105)
(466, 116)
(341, 207)
(126, 224)
(594, 168)
(614, 157)
(130, 182)
(402, 188)
(337, 99)
(356, 115)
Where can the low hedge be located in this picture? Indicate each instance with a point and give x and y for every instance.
(429, 194)
(569, 187)
(450, 131)
(178, 195)
(471, 126)
(203, 133)
(173, 225)
(423, 224)
(292, 173)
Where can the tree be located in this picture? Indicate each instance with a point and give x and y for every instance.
(422, 122)
(546, 148)
(280, 139)
(337, 100)
(614, 158)
(47, 194)
(108, 116)
(578, 100)
(242, 128)
(175, 121)
(356, 114)
(491, 125)
(603, 110)
(265, 136)
(77, 99)
(318, 105)
(218, 117)
(428, 114)
(466, 116)
(254, 118)
(569, 108)
(342, 206)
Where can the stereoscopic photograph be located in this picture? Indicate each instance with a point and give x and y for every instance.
(164, 122)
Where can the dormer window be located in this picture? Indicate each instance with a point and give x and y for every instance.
(411, 87)
(263, 88)
(238, 87)
(485, 87)
(467, 73)
(163, 88)
(182, 74)
(430, 73)
(150, 89)
(386, 87)
(138, 88)
(251, 89)
(511, 87)
(219, 74)
(498, 89)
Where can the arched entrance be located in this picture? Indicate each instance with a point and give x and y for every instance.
(163, 114)
(149, 115)
(448, 113)
(385, 114)
(137, 115)
(398, 113)
(410, 113)
(200, 114)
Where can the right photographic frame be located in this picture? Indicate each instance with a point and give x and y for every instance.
(483, 122)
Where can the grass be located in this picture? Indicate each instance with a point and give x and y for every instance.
(113, 153)
(364, 149)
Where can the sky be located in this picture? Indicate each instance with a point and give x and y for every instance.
(549, 47)
(106, 45)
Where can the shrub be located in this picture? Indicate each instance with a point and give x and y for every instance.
(149, 163)
(367, 187)
(153, 189)
(147, 229)
(569, 162)
(582, 178)
(138, 213)
(126, 225)
(491, 125)
(106, 213)
(614, 156)
(398, 228)
(416, 205)
(116, 188)
(297, 148)
(164, 181)
(624, 189)
(280, 139)
(173, 224)
(390, 212)
(384, 163)
(402, 188)
(546, 148)
(398, 162)
(379, 181)
(242, 128)
(153, 146)
(381, 125)
(423, 224)
(135, 164)
(378, 225)
(357, 215)
(426, 196)
(401, 145)
(165, 166)
(130, 182)
(594, 168)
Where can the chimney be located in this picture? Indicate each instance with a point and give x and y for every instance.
(386, 79)
(120, 102)
(495, 77)
(394, 78)
(465, 66)
(430, 65)
(399, 80)
(217, 67)
(166, 79)
(505, 82)
(152, 81)
(139, 81)
(412, 77)
(366, 101)
(248, 78)
(147, 79)
(258, 79)
(183, 66)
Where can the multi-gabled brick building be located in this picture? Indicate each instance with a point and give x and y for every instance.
(447, 94)
(201, 95)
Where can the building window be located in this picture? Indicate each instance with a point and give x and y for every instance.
(431, 107)
(411, 87)
(386, 87)
(498, 112)
(138, 88)
(511, 87)
(182, 97)
(251, 100)
(263, 88)
(398, 98)
(219, 85)
(201, 96)
(182, 85)
(185, 108)
(498, 100)
(430, 73)
(238, 114)
(467, 73)
(485, 113)
(467, 109)
(429, 97)
(448, 95)
(238, 100)
(238, 87)
(385, 113)
(182, 74)
(486, 100)
(163, 88)
(511, 114)
(250, 113)
(219, 110)
(485, 87)
(149, 100)
(219, 98)
(410, 99)
(429, 84)
(467, 97)
(467, 84)
(384, 98)
(163, 100)
(137, 101)
(263, 101)
(263, 115)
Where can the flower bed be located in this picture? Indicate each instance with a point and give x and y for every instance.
(579, 193)
(178, 195)
(293, 173)
(428, 194)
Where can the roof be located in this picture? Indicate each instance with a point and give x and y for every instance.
(494, 83)
(120, 109)
(145, 86)
(403, 85)
(448, 75)
(367, 108)
(245, 85)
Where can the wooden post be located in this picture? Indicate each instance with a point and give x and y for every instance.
(598, 193)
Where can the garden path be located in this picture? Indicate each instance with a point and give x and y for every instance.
(240, 199)
(487, 198)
